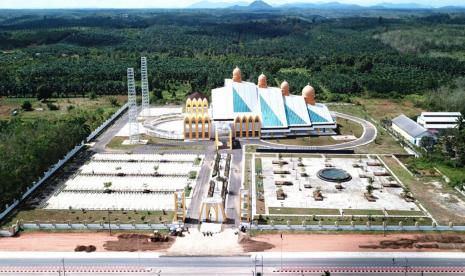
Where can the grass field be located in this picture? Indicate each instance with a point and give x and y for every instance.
(404, 213)
(80, 216)
(66, 105)
(375, 110)
(302, 211)
(162, 144)
(360, 212)
(428, 194)
(346, 220)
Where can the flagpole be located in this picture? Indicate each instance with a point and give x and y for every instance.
(281, 252)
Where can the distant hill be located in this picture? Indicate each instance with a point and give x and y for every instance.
(257, 5)
(401, 6)
(262, 5)
(329, 5)
(216, 5)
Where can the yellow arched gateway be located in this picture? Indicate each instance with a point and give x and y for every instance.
(187, 127)
(197, 127)
(188, 106)
(257, 126)
(237, 126)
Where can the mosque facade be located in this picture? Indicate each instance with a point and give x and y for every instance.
(252, 111)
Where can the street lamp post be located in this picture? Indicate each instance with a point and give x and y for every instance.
(109, 220)
(63, 264)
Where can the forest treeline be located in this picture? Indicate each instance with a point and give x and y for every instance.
(29, 147)
(67, 56)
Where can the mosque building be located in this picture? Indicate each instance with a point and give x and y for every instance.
(251, 111)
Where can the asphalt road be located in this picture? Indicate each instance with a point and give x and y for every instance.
(235, 181)
(201, 187)
(242, 264)
(369, 135)
(103, 139)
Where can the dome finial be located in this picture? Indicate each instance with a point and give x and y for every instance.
(285, 88)
(237, 75)
(308, 93)
(262, 81)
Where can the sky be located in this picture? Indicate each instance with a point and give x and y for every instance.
(41, 4)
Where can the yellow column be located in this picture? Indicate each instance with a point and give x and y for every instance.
(230, 139)
(253, 127)
(197, 128)
(216, 212)
(240, 132)
(203, 128)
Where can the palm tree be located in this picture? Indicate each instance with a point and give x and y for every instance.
(370, 189)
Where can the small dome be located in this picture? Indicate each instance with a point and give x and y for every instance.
(237, 75)
(285, 88)
(309, 94)
(262, 81)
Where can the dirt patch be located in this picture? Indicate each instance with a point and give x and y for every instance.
(250, 245)
(137, 242)
(56, 242)
(195, 243)
(360, 242)
(440, 242)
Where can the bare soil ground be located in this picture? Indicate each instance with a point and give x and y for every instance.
(66, 242)
(197, 244)
(136, 242)
(250, 245)
(354, 242)
(40, 241)
(442, 202)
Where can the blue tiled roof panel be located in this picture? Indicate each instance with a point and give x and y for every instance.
(316, 118)
(239, 104)
(292, 118)
(269, 118)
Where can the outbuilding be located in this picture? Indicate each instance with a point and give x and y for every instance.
(409, 129)
(436, 121)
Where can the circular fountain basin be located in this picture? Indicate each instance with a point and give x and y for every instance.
(334, 175)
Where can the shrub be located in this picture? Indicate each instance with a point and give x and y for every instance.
(80, 248)
(91, 248)
(113, 101)
(192, 174)
(70, 107)
(52, 106)
(92, 95)
(26, 106)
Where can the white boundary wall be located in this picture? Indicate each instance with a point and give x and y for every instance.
(61, 162)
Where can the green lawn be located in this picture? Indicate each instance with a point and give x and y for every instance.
(361, 212)
(163, 144)
(66, 105)
(79, 216)
(302, 211)
(405, 213)
(259, 186)
(297, 220)
(377, 109)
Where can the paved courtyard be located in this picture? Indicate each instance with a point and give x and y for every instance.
(350, 197)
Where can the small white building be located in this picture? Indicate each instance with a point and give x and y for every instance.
(409, 129)
(438, 120)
